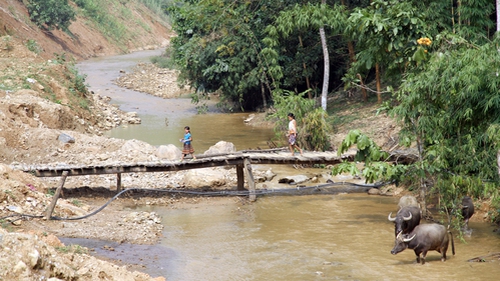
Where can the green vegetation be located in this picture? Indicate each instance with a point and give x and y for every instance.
(112, 18)
(76, 249)
(430, 65)
(33, 46)
(313, 128)
(51, 14)
(76, 202)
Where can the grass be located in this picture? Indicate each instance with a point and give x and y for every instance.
(76, 249)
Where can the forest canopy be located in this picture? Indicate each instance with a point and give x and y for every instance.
(432, 65)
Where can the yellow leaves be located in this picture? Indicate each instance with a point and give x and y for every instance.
(424, 41)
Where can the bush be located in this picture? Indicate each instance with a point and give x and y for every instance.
(51, 14)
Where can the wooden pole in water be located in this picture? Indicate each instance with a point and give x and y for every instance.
(118, 182)
(241, 177)
(251, 182)
(56, 196)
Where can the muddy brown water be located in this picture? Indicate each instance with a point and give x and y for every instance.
(207, 129)
(313, 237)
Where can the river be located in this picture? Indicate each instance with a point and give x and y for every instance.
(313, 237)
(206, 129)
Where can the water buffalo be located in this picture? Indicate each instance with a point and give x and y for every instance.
(406, 219)
(424, 238)
(467, 210)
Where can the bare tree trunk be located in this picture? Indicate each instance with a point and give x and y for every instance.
(326, 58)
(363, 90)
(263, 93)
(498, 161)
(377, 77)
(498, 15)
(326, 74)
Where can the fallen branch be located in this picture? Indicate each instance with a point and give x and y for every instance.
(483, 258)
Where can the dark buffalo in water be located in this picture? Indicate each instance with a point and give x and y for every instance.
(424, 238)
(467, 210)
(406, 219)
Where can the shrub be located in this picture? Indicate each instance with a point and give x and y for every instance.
(50, 14)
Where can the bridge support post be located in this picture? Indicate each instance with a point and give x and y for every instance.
(250, 181)
(52, 205)
(118, 182)
(240, 176)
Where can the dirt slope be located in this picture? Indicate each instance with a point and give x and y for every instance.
(86, 41)
(38, 102)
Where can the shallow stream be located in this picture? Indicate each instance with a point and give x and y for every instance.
(314, 237)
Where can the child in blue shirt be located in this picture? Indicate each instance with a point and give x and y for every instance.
(188, 147)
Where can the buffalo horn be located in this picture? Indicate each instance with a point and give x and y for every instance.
(409, 239)
(408, 218)
(389, 217)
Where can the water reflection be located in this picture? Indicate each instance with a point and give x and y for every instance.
(207, 130)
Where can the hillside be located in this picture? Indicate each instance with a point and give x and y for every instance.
(41, 97)
(143, 30)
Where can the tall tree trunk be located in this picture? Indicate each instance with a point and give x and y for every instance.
(350, 45)
(377, 77)
(498, 159)
(308, 83)
(363, 90)
(326, 58)
(326, 74)
(263, 93)
(498, 15)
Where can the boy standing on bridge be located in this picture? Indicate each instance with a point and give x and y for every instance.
(188, 147)
(292, 134)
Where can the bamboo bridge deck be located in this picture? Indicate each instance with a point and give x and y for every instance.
(242, 160)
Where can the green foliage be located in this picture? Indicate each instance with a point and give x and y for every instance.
(107, 16)
(7, 43)
(385, 33)
(312, 122)
(375, 169)
(33, 46)
(449, 106)
(51, 14)
(293, 51)
(76, 249)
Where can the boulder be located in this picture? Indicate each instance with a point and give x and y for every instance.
(207, 177)
(221, 147)
(168, 152)
(408, 200)
(294, 179)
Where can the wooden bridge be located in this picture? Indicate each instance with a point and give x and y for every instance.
(241, 159)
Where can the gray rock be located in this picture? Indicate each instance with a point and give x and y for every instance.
(294, 179)
(65, 138)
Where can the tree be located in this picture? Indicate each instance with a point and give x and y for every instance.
(50, 14)
(449, 106)
(218, 48)
(304, 18)
(385, 33)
